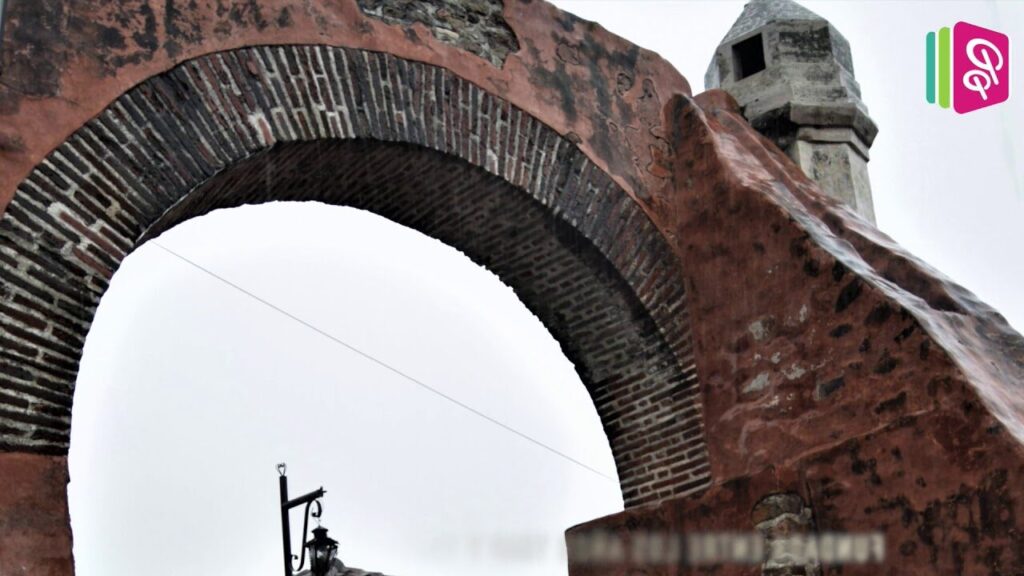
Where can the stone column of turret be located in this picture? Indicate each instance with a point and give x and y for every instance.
(792, 73)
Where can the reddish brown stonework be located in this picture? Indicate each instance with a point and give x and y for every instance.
(64, 62)
(749, 344)
(875, 407)
(35, 533)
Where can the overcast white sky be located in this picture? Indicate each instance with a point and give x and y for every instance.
(190, 393)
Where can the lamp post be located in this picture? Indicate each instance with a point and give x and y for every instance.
(322, 549)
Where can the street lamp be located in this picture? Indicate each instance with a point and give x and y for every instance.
(322, 548)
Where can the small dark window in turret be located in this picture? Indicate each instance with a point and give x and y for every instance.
(748, 56)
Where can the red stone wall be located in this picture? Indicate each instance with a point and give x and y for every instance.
(750, 344)
(831, 377)
(35, 530)
(576, 246)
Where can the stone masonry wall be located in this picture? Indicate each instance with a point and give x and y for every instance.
(477, 26)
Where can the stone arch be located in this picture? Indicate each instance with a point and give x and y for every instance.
(407, 140)
(821, 346)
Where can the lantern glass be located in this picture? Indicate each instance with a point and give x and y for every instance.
(322, 551)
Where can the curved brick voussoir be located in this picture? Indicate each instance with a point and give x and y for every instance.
(406, 140)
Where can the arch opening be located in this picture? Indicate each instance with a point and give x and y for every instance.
(602, 326)
(189, 392)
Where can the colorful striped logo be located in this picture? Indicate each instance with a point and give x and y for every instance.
(967, 67)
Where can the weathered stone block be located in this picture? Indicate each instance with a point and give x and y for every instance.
(804, 84)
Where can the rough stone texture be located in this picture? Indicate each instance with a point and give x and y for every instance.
(474, 25)
(837, 160)
(754, 336)
(779, 517)
(64, 62)
(891, 392)
(806, 99)
(35, 534)
(760, 13)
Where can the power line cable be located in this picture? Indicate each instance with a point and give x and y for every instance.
(383, 364)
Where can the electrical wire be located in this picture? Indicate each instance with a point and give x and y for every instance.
(384, 364)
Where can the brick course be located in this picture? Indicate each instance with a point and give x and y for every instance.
(403, 139)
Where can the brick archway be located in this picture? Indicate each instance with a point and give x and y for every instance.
(409, 141)
(747, 341)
